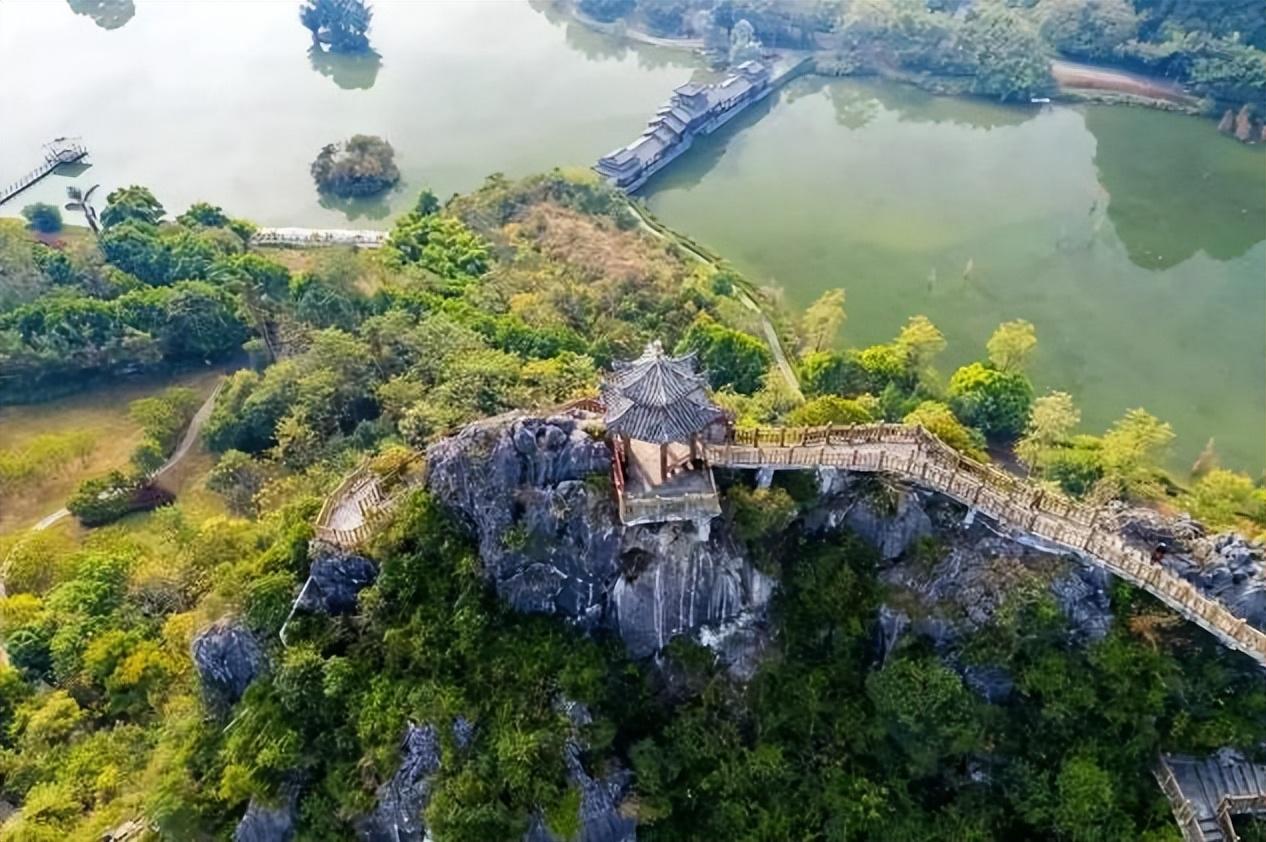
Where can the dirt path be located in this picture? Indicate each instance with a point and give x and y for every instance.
(1075, 76)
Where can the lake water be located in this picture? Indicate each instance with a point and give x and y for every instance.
(1134, 240)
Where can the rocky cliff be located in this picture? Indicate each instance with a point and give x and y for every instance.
(536, 493)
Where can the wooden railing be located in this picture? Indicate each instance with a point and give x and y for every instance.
(1184, 811)
(918, 456)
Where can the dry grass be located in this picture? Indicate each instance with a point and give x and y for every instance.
(103, 413)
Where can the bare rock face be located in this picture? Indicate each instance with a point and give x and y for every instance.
(1227, 124)
(1229, 569)
(1244, 129)
(889, 518)
(228, 658)
(266, 824)
(536, 493)
(402, 799)
(677, 580)
(548, 541)
(335, 577)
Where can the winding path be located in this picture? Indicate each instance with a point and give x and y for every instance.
(182, 450)
(1036, 516)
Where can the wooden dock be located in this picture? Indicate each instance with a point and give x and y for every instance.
(63, 150)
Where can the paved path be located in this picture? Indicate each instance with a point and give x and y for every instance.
(182, 450)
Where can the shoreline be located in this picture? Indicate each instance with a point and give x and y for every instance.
(1076, 82)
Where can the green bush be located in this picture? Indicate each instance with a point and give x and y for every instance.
(995, 402)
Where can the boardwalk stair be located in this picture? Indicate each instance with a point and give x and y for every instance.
(60, 151)
(1207, 793)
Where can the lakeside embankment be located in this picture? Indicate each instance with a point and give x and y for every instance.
(1076, 81)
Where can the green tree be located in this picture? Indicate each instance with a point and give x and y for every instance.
(996, 402)
(833, 409)
(1009, 57)
(607, 10)
(237, 478)
(730, 357)
(1131, 450)
(1053, 418)
(922, 341)
(823, 319)
(926, 710)
(204, 214)
(131, 204)
(939, 420)
(339, 24)
(1087, 28)
(43, 217)
(1011, 345)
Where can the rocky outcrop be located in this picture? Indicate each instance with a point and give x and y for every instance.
(335, 577)
(228, 658)
(397, 817)
(1229, 569)
(1245, 125)
(536, 494)
(263, 823)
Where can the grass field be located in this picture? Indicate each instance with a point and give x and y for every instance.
(104, 414)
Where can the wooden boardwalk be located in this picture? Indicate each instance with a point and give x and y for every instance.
(1033, 514)
(1057, 522)
(60, 151)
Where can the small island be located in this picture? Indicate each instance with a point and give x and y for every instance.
(363, 165)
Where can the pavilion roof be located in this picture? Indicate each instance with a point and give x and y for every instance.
(657, 398)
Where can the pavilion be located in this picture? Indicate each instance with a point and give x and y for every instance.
(658, 417)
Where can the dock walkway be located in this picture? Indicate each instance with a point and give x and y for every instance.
(60, 151)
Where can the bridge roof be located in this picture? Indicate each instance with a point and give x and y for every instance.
(657, 398)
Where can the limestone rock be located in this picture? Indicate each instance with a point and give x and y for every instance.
(228, 658)
(335, 577)
(266, 824)
(397, 817)
(1244, 128)
(890, 518)
(1227, 124)
(536, 493)
(1229, 569)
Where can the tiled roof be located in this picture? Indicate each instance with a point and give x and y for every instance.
(657, 398)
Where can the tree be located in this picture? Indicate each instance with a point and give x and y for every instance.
(237, 478)
(1130, 451)
(428, 203)
(823, 319)
(730, 357)
(339, 24)
(363, 165)
(1051, 422)
(43, 217)
(1087, 28)
(833, 409)
(1220, 498)
(81, 200)
(1007, 53)
(665, 16)
(1011, 344)
(921, 340)
(939, 420)
(606, 10)
(996, 402)
(204, 214)
(131, 204)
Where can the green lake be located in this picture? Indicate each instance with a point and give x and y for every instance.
(1135, 240)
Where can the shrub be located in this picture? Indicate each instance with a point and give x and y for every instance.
(43, 217)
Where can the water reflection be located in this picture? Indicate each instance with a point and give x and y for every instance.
(107, 14)
(350, 71)
(914, 105)
(1178, 189)
(361, 207)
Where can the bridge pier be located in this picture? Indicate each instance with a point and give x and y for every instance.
(764, 477)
